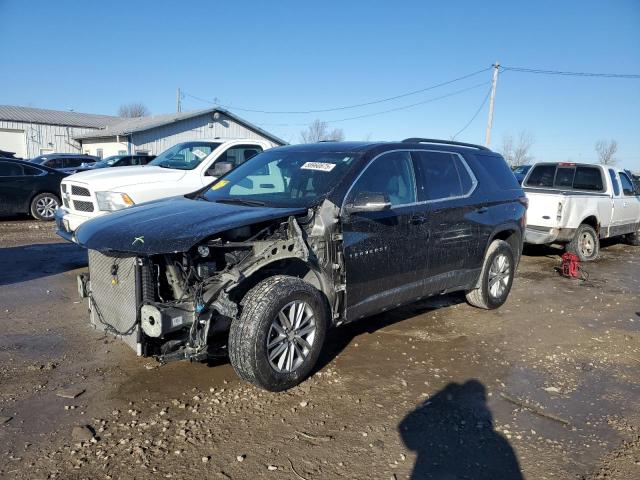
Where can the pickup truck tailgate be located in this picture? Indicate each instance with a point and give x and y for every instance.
(545, 209)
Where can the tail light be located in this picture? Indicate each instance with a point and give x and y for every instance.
(524, 201)
(559, 212)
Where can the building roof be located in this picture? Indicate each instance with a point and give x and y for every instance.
(133, 125)
(55, 117)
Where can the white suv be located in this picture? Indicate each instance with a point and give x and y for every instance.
(184, 168)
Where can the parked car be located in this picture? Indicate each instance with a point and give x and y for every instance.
(520, 172)
(65, 162)
(181, 169)
(9, 155)
(299, 239)
(120, 161)
(576, 205)
(29, 188)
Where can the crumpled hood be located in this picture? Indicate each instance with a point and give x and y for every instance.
(108, 178)
(170, 225)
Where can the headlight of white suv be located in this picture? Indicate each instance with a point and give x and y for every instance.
(112, 201)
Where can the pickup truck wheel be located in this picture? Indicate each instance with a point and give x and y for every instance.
(43, 206)
(277, 339)
(496, 277)
(585, 243)
(634, 238)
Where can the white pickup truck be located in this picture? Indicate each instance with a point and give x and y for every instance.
(579, 204)
(184, 168)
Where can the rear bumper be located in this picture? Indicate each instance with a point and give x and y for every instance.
(544, 235)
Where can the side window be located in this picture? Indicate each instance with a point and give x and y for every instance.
(614, 182)
(55, 163)
(390, 174)
(542, 176)
(10, 169)
(32, 171)
(627, 186)
(442, 175)
(588, 178)
(126, 162)
(72, 162)
(239, 154)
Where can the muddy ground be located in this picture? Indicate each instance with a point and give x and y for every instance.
(545, 387)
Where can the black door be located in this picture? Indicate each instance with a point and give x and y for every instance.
(15, 188)
(380, 246)
(445, 184)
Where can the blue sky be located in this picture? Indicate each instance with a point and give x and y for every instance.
(296, 55)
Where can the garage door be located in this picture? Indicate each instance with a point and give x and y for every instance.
(13, 141)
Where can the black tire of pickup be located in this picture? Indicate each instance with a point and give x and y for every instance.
(484, 296)
(249, 333)
(585, 243)
(634, 238)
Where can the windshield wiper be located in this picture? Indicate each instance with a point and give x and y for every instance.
(240, 201)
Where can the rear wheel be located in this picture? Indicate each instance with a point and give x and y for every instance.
(276, 341)
(585, 243)
(496, 277)
(43, 206)
(634, 238)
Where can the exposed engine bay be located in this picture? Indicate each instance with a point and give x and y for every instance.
(180, 305)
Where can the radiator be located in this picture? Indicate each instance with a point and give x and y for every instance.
(114, 299)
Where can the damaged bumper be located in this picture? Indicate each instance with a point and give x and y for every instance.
(545, 235)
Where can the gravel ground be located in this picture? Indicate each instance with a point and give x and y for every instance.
(545, 387)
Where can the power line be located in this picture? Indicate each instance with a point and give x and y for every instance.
(404, 107)
(344, 107)
(484, 101)
(573, 74)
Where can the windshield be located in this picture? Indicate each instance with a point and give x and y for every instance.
(282, 179)
(184, 156)
(107, 162)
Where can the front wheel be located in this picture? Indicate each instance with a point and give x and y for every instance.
(43, 206)
(276, 341)
(585, 243)
(496, 277)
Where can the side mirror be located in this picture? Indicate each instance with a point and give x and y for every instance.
(219, 169)
(369, 202)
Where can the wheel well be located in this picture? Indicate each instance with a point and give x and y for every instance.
(294, 267)
(512, 237)
(593, 222)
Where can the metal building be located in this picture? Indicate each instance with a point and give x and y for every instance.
(156, 133)
(30, 132)
(33, 131)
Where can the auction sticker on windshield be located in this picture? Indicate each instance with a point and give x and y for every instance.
(219, 184)
(323, 167)
(199, 153)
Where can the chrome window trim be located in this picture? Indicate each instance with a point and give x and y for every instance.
(474, 180)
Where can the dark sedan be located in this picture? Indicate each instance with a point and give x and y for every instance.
(29, 188)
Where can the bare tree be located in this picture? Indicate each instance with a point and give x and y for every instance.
(517, 152)
(133, 110)
(606, 151)
(318, 131)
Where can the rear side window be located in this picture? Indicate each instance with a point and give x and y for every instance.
(72, 162)
(498, 170)
(614, 182)
(542, 176)
(588, 178)
(10, 169)
(442, 175)
(627, 186)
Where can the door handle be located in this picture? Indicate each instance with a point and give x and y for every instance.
(417, 219)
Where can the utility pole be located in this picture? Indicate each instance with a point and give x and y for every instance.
(178, 101)
(494, 84)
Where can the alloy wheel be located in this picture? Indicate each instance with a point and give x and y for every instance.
(499, 275)
(291, 336)
(46, 207)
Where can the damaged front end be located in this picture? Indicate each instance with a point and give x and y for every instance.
(180, 305)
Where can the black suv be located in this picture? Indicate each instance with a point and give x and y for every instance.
(302, 238)
(65, 162)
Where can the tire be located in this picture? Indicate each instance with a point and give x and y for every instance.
(261, 322)
(43, 206)
(499, 266)
(585, 243)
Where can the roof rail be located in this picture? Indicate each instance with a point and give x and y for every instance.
(444, 142)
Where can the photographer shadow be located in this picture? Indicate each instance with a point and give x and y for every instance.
(452, 434)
